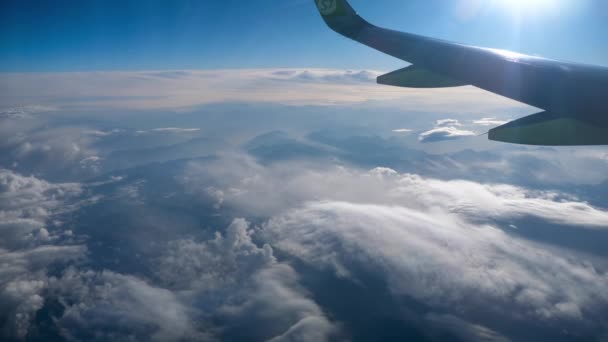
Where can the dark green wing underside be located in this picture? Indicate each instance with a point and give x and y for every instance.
(416, 77)
(550, 130)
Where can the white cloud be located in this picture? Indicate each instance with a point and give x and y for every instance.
(253, 189)
(446, 129)
(23, 278)
(108, 305)
(447, 123)
(26, 204)
(444, 133)
(187, 89)
(62, 152)
(223, 262)
(312, 328)
(24, 111)
(465, 330)
(100, 133)
(175, 130)
(27, 247)
(327, 75)
(277, 302)
(241, 283)
(489, 122)
(432, 240)
(445, 262)
(402, 130)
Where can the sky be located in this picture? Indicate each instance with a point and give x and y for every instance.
(231, 171)
(151, 35)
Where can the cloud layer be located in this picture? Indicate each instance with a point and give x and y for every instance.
(445, 244)
(31, 243)
(186, 89)
(126, 213)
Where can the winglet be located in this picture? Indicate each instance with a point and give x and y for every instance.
(341, 17)
(335, 8)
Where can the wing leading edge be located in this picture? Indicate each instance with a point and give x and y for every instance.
(573, 96)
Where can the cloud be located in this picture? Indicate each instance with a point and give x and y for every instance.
(30, 244)
(311, 228)
(187, 89)
(243, 286)
(446, 129)
(444, 133)
(199, 289)
(437, 242)
(465, 330)
(169, 130)
(108, 305)
(59, 153)
(447, 123)
(489, 122)
(443, 244)
(226, 261)
(333, 76)
(252, 188)
(24, 111)
(27, 203)
(402, 130)
(280, 307)
(445, 262)
(100, 133)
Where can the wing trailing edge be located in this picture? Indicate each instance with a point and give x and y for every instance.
(547, 129)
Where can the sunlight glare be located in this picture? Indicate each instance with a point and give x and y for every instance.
(536, 7)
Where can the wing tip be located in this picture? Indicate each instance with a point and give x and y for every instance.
(334, 8)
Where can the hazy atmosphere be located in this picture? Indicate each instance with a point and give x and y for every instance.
(163, 181)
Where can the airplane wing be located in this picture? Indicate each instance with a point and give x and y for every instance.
(573, 97)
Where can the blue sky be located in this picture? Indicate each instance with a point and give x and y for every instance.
(143, 35)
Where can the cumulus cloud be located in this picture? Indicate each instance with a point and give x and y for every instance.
(446, 129)
(27, 203)
(30, 244)
(438, 242)
(244, 287)
(444, 261)
(435, 241)
(226, 261)
(251, 187)
(57, 152)
(280, 308)
(107, 305)
(200, 289)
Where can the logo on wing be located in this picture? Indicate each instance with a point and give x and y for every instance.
(327, 7)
